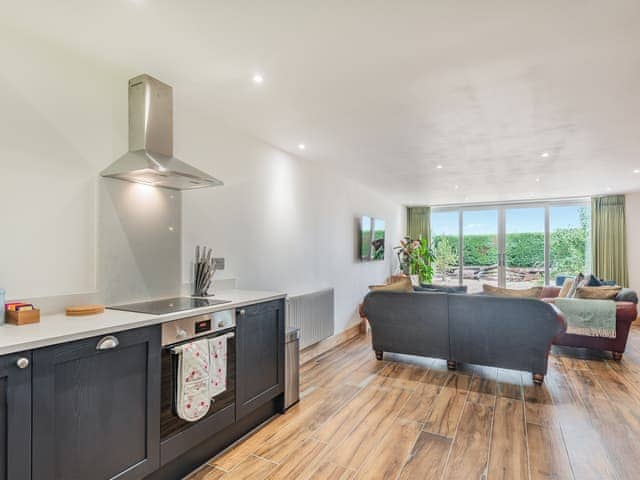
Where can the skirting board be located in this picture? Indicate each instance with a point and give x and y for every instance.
(323, 346)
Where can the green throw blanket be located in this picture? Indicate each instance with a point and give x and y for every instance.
(595, 318)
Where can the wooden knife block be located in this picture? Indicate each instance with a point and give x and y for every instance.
(22, 317)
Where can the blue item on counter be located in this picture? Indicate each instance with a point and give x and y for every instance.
(2, 294)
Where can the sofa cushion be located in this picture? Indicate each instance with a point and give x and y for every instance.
(597, 293)
(432, 287)
(549, 292)
(627, 295)
(566, 288)
(592, 281)
(561, 278)
(401, 285)
(577, 282)
(533, 292)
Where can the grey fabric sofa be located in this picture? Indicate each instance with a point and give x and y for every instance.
(441, 288)
(514, 333)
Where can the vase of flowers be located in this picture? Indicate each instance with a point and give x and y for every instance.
(416, 259)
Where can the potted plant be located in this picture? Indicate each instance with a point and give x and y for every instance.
(416, 259)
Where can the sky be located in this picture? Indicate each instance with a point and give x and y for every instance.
(518, 220)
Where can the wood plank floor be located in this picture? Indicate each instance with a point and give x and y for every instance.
(409, 418)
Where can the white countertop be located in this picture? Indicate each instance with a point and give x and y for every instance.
(59, 328)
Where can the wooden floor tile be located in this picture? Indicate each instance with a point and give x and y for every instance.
(387, 458)
(483, 390)
(302, 462)
(207, 472)
(548, 458)
(288, 437)
(410, 418)
(509, 384)
(420, 403)
(337, 428)
(585, 447)
(470, 450)
(508, 452)
(251, 468)
(403, 376)
(427, 458)
(445, 413)
(367, 434)
(332, 471)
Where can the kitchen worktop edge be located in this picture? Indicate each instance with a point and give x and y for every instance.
(58, 328)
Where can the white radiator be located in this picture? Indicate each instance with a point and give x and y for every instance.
(313, 314)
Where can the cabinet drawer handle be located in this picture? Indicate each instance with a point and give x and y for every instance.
(107, 343)
(22, 362)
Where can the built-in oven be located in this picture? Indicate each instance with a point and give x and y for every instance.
(178, 435)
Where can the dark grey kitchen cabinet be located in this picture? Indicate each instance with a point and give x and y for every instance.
(15, 417)
(260, 355)
(96, 407)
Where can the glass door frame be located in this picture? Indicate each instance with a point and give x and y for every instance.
(501, 209)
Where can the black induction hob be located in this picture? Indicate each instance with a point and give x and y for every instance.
(169, 305)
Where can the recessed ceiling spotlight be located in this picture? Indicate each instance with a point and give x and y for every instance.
(545, 154)
(608, 189)
(537, 179)
(301, 146)
(456, 187)
(438, 166)
(258, 78)
(637, 170)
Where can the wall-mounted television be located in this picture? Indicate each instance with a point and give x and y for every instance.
(371, 238)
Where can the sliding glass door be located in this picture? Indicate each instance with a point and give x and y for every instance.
(480, 248)
(570, 239)
(445, 237)
(517, 246)
(523, 258)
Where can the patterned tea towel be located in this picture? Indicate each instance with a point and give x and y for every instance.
(192, 380)
(218, 352)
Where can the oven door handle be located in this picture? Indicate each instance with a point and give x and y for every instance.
(176, 350)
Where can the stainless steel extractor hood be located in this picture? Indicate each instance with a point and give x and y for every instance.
(150, 158)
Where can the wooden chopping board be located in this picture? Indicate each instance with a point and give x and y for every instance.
(82, 310)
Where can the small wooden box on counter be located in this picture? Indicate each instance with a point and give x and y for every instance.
(22, 317)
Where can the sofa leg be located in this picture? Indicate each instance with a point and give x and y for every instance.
(379, 354)
(617, 356)
(452, 364)
(538, 378)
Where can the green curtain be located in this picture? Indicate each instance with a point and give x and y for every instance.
(608, 239)
(419, 222)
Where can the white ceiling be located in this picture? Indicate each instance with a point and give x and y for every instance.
(385, 91)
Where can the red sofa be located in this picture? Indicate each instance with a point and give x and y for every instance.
(626, 313)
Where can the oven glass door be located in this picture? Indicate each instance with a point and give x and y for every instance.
(170, 423)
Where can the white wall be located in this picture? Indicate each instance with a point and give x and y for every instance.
(281, 222)
(632, 213)
(60, 122)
